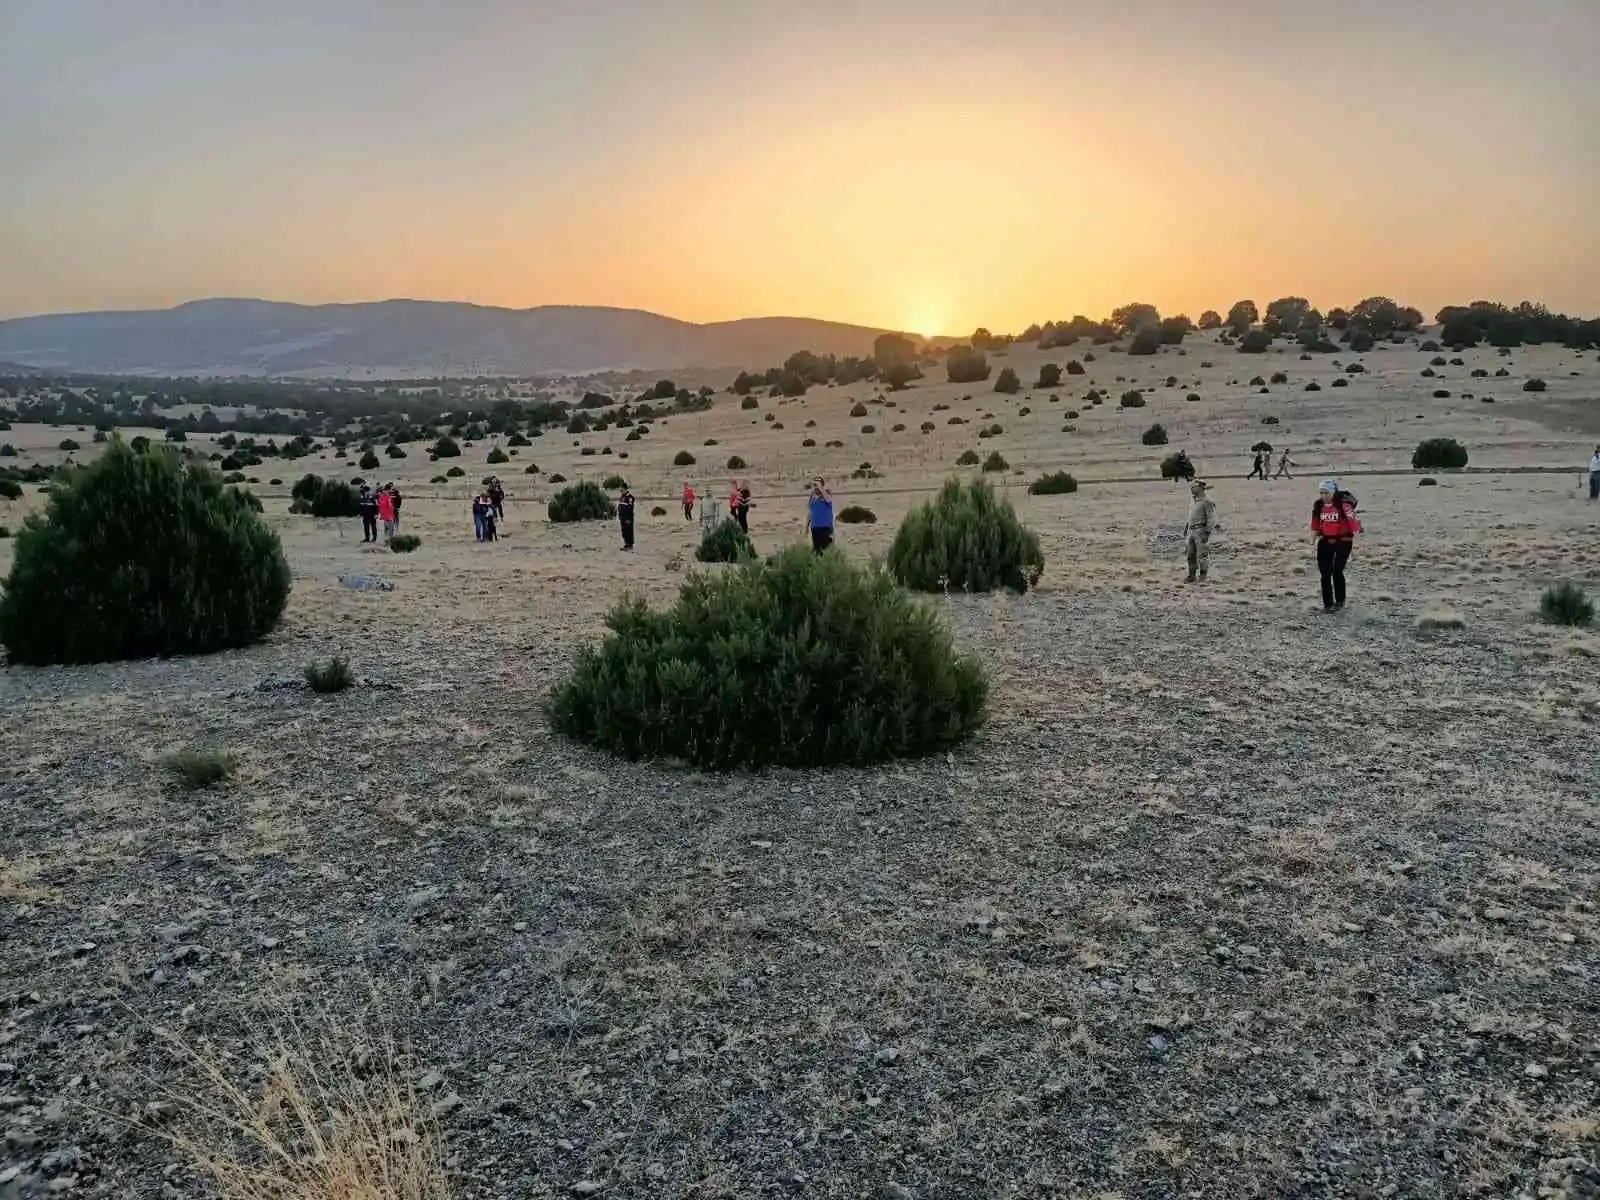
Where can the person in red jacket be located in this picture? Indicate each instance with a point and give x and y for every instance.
(1334, 526)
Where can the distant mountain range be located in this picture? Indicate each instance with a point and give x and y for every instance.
(406, 338)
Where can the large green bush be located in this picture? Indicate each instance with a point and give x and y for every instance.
(804, 660)
(1439, 454)
(1566, 604)
(319, 497)
(584, 501)
(965, 539)
(725, 543)
(141, 555)
(1056, 483)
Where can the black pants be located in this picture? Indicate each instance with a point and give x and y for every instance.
(741, 514)
(369, 527)
(821, 539)
(1331, 557)
(1594, 485)
(499, 510)
(627, 533)
(688, 512)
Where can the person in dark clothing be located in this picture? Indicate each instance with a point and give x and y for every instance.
(1258, 469)
(819, 515)
(741, 510)
(480, 514)
(1334, 526)
(625, 518)
(497, 498)
(367, 506)
(395, 492)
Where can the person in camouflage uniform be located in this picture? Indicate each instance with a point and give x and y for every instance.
(1197, 532)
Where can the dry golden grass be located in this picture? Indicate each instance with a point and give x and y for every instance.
(321, 1117)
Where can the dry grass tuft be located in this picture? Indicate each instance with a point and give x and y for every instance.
(322, 1117)
(1432, 620)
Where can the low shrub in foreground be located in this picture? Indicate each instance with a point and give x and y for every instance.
(1439, 454)
(141, 555)
(725, 543)
(585, 501)
(855, 514)
(404, 543)
(325, 678)
(196, 769)
(965, 539)
(1056, 483)
(804, 660)
(1566, 604)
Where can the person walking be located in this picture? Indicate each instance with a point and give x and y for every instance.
(741, 506)
(497, 498)
(386, 512)
(367, 506)
(1594, 475)
(688, 502)
(1334, 526)
(1197, 532)
(1284, 463)
(480, 508)
(819, 515)
(1258, 468)
(625, 517)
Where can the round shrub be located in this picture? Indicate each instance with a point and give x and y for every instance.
(683, 459)
(748, 403)
(1313, 386)
(1156, 435)
(141, 555)
(1439, 454)
(735, 463)
(858, 409)
(614, 483)
(69, 445)
(1007, 382)
(497, 456)
(969, 458)
(1532, 385)
(315, 496)
(1057, 483)
(1428, 372)
(1341, 381)
(1279, 377)
(658, 511)
(455, 473)
(1427, 481)
(1269, 420)
(1193, 398)
(369, 461)
(1566, 604)
(1134, 399)
(10, 489)
(445, 447)
(1441, 393)
(996, 462)
(584, 501)
(965, 539)
(807, 443)
(725, 543)
(830, 663)
(854, 514)
(558, 477)
(404, 543)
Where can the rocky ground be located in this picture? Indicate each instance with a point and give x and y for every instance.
(1229, 899)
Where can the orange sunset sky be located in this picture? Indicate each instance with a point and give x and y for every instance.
(930, 166)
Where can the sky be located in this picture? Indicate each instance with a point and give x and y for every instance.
(928, 166)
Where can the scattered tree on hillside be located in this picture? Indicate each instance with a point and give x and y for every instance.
(1241, 316)
(1285, 315)
(1130, 318)
(1210, 319)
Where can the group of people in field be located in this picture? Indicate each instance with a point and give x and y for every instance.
(1263, 464)
(382, 504)
(819, 511)
(489, 509)
(1334, 526)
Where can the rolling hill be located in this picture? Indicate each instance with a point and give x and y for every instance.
(396, 338)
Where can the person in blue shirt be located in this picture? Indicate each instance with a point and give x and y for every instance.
(819, 515)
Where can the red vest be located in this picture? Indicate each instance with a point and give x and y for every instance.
(1334, 520)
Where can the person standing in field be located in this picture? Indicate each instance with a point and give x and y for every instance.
(497, 498)
(367, 506)
(480, 509)
(741, 505)
(1258, 468)
(819, 515)
(688, 501)
(395, 492)
(1594, 475)
(386, 512)
(1197, 532)
(1284, 463)
(1334, 526)
(625, 517)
